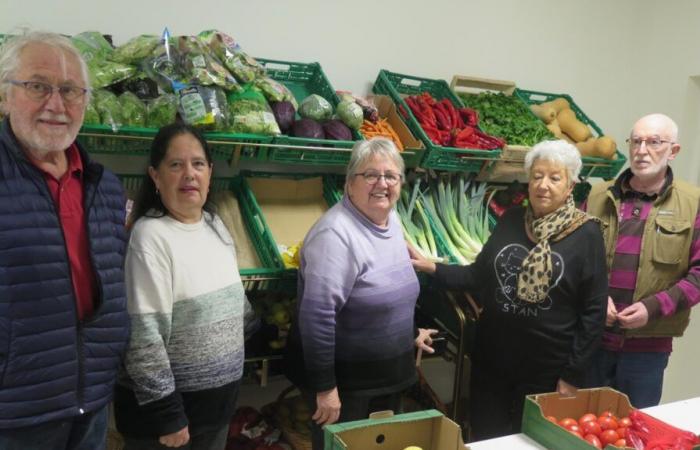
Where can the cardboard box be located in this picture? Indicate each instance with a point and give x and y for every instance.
(429, 430)
(413, 147)
(554, 437)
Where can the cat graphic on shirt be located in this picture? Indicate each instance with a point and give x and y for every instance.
(507, 265)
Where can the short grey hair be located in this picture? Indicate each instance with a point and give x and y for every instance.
(363, 151)
(559, 152)
(12, 49)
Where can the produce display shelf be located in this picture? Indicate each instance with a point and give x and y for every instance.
(592, 167)
(272, 267)
(137, 141)
(437, 157)
(304, 79)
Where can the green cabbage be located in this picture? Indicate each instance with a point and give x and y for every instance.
(315, 107)
(350, 113)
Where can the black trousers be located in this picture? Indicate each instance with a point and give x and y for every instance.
(497, 399)
(352, 407)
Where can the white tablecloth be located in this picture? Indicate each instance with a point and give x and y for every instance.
(683, 414)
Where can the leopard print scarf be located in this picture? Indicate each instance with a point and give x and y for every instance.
(536, 271)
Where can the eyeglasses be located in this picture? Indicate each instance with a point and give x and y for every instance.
(371, 177)
(38, 90)
(652, 143)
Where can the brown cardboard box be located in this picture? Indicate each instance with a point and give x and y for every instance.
(413, 147)
(428, 430)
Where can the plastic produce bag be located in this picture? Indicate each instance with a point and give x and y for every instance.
(135, 49)
(250, 112)
(92, 45)
(350, 113)
(161, 111)
(203, 106)
(201, 67)
(91, 114)
(275, 91)
(105, 73)
(315, 107)
(133, 110)
(243, 67)
(108, 106)
(163, 65)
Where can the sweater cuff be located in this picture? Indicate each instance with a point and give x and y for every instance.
(168, 414)
(321, 380)
(573, 377)
(653, 307)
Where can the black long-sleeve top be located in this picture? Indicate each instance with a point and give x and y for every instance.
(558, 335)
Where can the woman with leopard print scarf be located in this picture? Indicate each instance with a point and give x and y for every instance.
(542, 283)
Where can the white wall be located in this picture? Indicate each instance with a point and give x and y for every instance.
(618, 59)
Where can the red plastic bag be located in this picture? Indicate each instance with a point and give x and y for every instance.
(649, 433)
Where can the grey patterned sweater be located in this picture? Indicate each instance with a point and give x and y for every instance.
(188, 309)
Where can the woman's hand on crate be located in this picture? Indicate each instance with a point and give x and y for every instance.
(420, 262)
(177, 439)
(327, 407)
(565, 389)
(425, 339)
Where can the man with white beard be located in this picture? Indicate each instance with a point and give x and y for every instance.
(63, 321)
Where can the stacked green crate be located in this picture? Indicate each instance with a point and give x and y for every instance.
(592, 167)
(437, 157)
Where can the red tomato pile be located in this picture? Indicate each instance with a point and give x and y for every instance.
(599, 431)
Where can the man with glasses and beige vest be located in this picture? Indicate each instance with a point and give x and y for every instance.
(652, 239)
(63, 320)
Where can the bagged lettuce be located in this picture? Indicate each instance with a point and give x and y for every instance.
(92, 45)
(105, 73)
(108, 107)
(243, 67)
(133, 110)
(203, 106)
(161, 111)
(135, 49)
(91, 115)
(250, 112)
(201, 67)
(275, 91)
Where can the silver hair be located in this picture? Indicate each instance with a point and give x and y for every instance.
(556, 151)
(363, 151)
(12, 49)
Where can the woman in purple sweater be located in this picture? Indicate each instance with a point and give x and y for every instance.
(351, 346)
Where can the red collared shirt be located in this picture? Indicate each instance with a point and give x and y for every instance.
(67, 194)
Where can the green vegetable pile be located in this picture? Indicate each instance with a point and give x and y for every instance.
(507, 117)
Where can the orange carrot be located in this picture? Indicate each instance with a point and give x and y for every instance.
(381, 128)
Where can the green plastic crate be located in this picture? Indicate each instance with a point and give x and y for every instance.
(256, 210)
(437, 157)
(137, 141)
(261, 237)
(592, 167)
(303, 80)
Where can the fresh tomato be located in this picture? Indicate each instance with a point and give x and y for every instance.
(607, 423)
(622, 443)
(593, 440)
(576, 433)
(622, 432)
(552, 419)
(587, 418)
(625, 422)
(608, 437)
(607, 414)
(591, 427)
(574, 427)
(567, 421)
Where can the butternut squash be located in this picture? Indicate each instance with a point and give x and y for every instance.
(574, 128)
(553, 128)
(559, 104)
(546, 115)
(587, 148)
(605, 147)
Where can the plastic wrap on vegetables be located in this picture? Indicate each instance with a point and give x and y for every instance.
(163, 65)
(350, 113)
(133, 110)
(243, 67)
(108, 107)
(161, 111)
(105, 73)
(275, 91)
(315, 107)
(92, 45)
(201, 65)
(91, 114)
(203, 106)
(250, 112)
(140, 84)
(135, 49)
